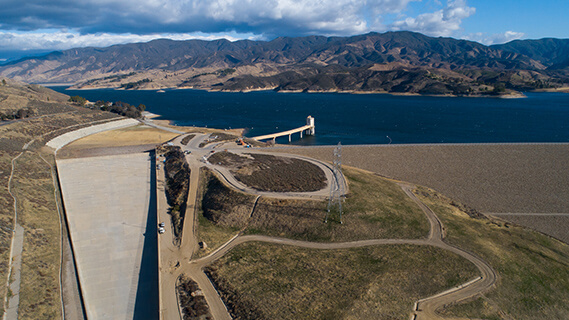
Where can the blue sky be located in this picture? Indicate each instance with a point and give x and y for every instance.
(33, 26)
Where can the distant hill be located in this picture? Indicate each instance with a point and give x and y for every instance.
(16, 96)
(552, 53)
(387, 62)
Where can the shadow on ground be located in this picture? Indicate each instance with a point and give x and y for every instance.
(146, 305)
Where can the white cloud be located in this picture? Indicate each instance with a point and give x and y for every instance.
(65, 39)
(275, 17)
(106, 22)
(497, 38)
(443, 22)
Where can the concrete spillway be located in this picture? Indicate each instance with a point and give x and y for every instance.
(111, 216)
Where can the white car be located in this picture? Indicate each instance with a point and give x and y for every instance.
(161, 225)
(161, 230)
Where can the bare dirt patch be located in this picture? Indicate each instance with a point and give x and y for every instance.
(271, 173)
(114, 142)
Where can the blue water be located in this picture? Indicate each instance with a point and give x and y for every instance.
(360, 119)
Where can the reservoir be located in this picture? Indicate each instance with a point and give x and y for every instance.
(359, 118)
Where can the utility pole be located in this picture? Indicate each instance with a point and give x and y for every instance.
(337, 187)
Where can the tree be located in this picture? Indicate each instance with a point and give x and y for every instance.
(78, 100)
(3, 82)
(499, 88)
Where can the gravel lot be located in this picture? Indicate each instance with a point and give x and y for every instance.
(493, 178)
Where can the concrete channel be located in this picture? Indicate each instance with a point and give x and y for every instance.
(111, 213)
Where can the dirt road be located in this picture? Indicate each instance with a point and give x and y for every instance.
(424, 308)
(177, 260)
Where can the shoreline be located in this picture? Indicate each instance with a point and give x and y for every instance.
(512, 95)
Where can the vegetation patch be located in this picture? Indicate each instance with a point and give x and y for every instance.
(533, 268)
(192, 301)
(37, 214)
(267, 281)
(177, 186)
(135, 85)
(218, 137)
(223, 206)
(187, 139)
(52, 116)
(21, 113)
(222, 212)
(375, 209)
(271, 173)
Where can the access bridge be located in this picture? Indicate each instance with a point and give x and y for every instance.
(308, 129)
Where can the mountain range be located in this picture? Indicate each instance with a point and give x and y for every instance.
(395, 62)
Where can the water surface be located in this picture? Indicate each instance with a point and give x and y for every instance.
(360, 119)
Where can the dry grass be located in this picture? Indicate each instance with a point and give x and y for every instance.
(177, 173)
(533, 268)
(193, 303)
(216, 137)
(135, 135)
(266, 281)
(6, 217)
(187, 139)
(270, 173)
(555, 226)
(134, 139)
(375, 209)
(223, 206)
(490, 178)
(39, 288)
(37, 214)
(219, 212)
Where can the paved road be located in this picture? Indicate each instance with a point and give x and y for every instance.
(173, 256)
(174, 263)
(227, 177)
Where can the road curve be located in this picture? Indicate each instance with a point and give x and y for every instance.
(229, 179)
(424, 309)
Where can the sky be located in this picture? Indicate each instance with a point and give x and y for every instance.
(37, 26)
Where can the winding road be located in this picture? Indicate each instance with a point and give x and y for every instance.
(177, 260)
